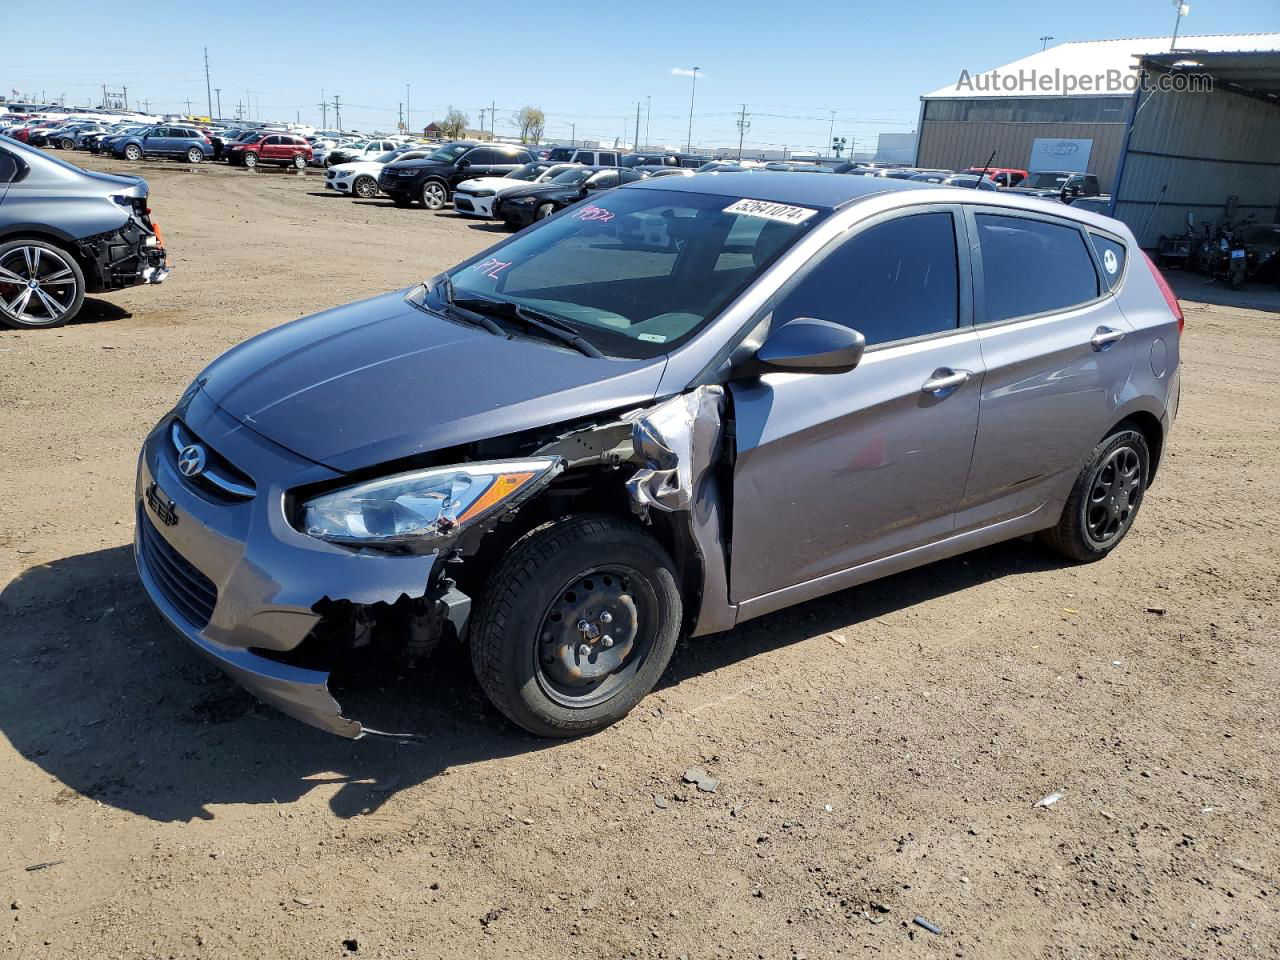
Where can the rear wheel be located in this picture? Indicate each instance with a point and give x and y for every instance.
(576, 625)
(434, 195)
(365, 187)
(1105, 498)
(40, 285)
(133, 152)
(195, 155)
(400, 200)
(299, 162)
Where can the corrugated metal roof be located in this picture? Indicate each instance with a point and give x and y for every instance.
(1090, 58)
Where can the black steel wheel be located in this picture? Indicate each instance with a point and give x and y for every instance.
(576, 625)
(1105, 499)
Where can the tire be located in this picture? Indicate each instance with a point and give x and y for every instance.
(299, 162)
(544, 210)
(526, 639)
(400, 200)
(60, 293)
(195, 155)
(67, 143)
(1105, 499)
(250, 159)
(365, 187)
(133, 152)
(434, 195)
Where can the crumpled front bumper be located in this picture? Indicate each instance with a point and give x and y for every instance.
(240, 563)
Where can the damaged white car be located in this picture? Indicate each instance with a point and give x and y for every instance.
(652, 416)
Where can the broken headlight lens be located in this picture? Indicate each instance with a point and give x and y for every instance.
(422, 504)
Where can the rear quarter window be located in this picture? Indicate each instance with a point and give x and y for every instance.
(1033, 266)
(1112, 255)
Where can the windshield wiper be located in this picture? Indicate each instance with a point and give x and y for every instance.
(442, 287)
(543, 322)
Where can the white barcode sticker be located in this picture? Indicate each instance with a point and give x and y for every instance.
(767, 210)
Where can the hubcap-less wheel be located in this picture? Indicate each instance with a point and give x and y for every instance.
(133, 152)
(434, 196)
(68, 144)
(544, 211)
(194, 155)
(366, 187)
(37, 286)
(1114, 494)
(595, 635)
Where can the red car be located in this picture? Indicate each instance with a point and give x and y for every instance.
(24, 133)
(282, 149)
(1004, 176)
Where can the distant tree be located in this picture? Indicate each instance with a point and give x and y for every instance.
(454, 124)
(531, 122)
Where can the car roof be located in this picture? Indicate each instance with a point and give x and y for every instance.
(781, 187)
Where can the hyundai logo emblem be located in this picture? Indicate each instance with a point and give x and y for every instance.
(191, 460)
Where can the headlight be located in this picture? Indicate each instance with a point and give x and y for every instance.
(483, 193)
(424, 504)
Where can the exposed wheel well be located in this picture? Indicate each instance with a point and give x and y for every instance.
(66, 246)
(1148, 424)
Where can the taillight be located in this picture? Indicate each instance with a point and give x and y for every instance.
(1167, 291)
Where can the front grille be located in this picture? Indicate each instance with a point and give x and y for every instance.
(462, 203)
(186, 589)
(219, 476)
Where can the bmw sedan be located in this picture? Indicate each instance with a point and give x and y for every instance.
(691, 402)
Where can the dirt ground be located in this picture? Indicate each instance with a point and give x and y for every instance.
(879, 752)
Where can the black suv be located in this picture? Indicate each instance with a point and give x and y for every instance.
(433, 178)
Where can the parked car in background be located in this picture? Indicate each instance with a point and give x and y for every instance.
(589, 156)
(359, 178)
(74, 139)
(972, 182)
(476, 198)
(571, 451)
(803, 166)
(360, 150)
(659, 172)
(432, 180)
(537, 201)
(277, 149)
(1057, 184)
(65, 232)
(1002, 176)
(102, 143)
(1100, 205)
(175, 142)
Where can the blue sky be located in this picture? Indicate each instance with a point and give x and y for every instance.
(583, 64)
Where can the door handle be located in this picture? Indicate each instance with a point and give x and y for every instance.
(945, 379)
(1104, 338)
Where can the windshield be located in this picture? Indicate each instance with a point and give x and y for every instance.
(386, 157)
(572, 175)
(561, 153)
(552, 172)
(529, 171)
(450, 153)
(1045, 181)
(637, 272)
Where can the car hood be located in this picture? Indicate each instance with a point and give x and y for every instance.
(543, 190)
(359, 166)
(492, 183)
(379, 380)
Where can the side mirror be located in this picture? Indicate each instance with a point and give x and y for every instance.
(808, 345)
(463, 164)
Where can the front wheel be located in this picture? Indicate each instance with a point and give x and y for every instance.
(1105, 499)
(576, 625)
(434, 195)
(195, 155)
(250, 159)
(365, 187)
(40, 285)
(299, 162)
(133, 152)
(544, 211)
(68, 144)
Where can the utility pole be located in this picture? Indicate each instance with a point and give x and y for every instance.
(407, 121)
(218, 91)
(188, 106)
(1183, 10)
(324, 110)
(636, 144)
(693, 90)
(126, 97)
(831, 133)
(464, 133)
(743, 126)
(573, 134)
(1044, 43)
(337, 113)
(207, 83)
(647, 111)
(400, 118)
(493, 120)
(257, 104)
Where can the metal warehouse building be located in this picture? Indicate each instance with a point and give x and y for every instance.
(1170, 132)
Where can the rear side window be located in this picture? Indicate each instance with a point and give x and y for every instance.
(893, 281)
(1111, 254)
(1031, 267)
(8, 168)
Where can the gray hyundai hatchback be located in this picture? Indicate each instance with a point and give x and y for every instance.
(688, 403)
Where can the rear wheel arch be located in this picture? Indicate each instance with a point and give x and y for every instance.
(1152, 430)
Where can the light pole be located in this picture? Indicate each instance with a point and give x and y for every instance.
(647, 110)
(693, 90)
(407, 122)
(1044, 42)
(218, 91)
(1183, 10)
(831, 132)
